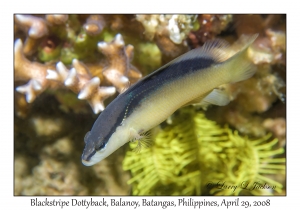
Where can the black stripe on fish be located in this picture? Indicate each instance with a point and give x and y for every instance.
(163, 76)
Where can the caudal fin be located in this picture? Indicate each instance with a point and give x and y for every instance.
(241, 68)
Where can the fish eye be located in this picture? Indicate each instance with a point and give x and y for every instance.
(102, 146)
(87, 135)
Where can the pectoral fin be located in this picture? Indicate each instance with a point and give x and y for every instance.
(142, 139)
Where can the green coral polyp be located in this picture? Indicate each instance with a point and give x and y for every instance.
(45, 55)
(193, 151)
(67, 55)
(149, 56)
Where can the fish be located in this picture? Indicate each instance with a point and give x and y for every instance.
(192, 78)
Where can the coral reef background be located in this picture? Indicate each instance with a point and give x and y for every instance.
(69, 67)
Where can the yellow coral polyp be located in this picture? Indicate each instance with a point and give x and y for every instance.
(193, 151)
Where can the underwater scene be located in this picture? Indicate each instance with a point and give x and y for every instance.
(210, 122)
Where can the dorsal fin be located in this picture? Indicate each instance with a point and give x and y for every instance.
(214, 49)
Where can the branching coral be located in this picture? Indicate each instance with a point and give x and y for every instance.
(80, 81)
(193, 154)
(94, 25)
(26, 70)
(35, 27)
(119, 71)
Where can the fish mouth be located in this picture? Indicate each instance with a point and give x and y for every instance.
(86, 162)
